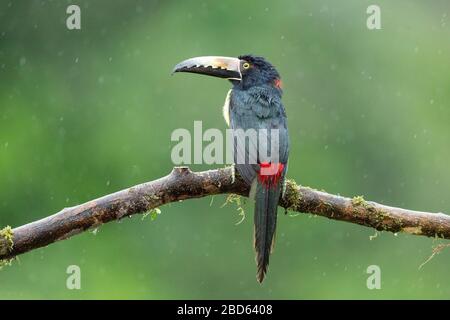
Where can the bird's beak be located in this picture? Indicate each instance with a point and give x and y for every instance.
(222, 67)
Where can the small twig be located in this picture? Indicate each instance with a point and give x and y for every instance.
(436, 250)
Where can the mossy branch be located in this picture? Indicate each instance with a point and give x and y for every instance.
(183, 184)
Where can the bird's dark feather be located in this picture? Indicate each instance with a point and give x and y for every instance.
(260, 108)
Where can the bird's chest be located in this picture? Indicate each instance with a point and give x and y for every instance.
(241, 104)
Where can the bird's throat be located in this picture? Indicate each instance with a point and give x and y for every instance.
(226, 108)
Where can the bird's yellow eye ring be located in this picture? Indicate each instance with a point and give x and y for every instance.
(246, 65)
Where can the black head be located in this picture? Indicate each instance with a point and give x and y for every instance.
(257, 71)
(244, 72)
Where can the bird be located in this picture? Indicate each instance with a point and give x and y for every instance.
(254, 103)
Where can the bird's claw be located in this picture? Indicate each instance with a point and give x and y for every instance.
(283, 189)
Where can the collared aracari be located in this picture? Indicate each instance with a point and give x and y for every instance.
(254, 102)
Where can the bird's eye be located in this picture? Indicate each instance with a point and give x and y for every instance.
(246, 65)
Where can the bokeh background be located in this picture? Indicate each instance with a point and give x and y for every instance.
(89, 112)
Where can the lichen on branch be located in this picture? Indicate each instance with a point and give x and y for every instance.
(6, 244)
(7, 239)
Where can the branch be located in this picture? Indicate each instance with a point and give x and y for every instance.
(183, 184)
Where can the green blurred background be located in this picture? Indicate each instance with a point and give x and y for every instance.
(89, 112)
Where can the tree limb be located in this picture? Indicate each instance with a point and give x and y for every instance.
(183, 184)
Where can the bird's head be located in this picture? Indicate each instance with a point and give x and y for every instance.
(244, 72)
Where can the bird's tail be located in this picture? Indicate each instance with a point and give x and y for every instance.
(267, 196)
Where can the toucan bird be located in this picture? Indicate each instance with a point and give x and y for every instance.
(254, 103)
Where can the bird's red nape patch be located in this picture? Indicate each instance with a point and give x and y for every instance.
(278, 84)
(270, 173)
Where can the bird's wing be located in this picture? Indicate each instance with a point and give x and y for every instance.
(257, 115)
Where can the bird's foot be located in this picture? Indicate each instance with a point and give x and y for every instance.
(283, 189)
(283, 194)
